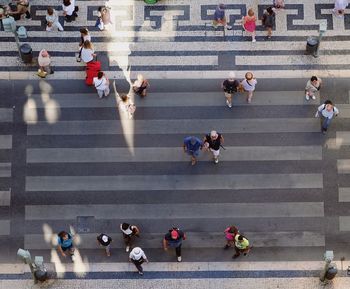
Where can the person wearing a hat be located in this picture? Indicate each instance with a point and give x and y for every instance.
(105, 241)
(230, 87)
(219, 17)
(249, 83)
(191, 146)
(44, 61)
(174, 239)
(213, 141)
(137, 256)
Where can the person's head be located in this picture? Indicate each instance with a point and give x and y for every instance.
(270, 10)
(63, 235)
(329, 105)
(193, 140)
(66, 2)
(124, 97)
(44, 53)
(240, 238)
(221, 6)
(49, 10)
(233, 229)
(84, 31)
(174, 234)
(251, 12)
(213, 135)
(87, 44)
(100, 74)
(231, 76)
(313, 79)
(249, 76)
(125, 226)
(140, 77)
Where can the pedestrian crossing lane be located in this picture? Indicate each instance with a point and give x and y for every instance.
(59, 170)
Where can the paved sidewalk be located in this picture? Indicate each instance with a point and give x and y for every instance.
(175, 39)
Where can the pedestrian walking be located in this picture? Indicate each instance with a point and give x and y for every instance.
(140, 85)
(105, 241)
(326, 112)
(126, 106)
(84, 35)
(103, 18)
(241, 246)
(213, 141)
(138, 257)
(173, 239)
(129, 231)
(65, 244)
(248, 84)
(87, 52)
(52, 20)
(278, 4)
(230, 234)
(312, 86)
(101, 83)
(249, 23)
(339, 7)
(220, 18)
(268, 20)
(230, 87)
(191, 146)
(69, 10)
(44, 62)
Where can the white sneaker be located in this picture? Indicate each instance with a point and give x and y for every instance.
(216, 161)
(127, 248)
(307, 97)
(228, 104)
(73, 258)
(313, 97)
(228, 27)
(179, 259)
(254, 40)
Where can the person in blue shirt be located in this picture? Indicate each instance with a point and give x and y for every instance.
(191, 146)
(65, 243)
(219, 17)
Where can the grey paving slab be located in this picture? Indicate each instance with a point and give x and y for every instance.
(344, 194)
(344, 110)
(5, 141)
(176, 211)
(174, 182)
(160, 154)
(5, 170)
(4, 227)
(193, 240)
(5, 198)
(179, 99)
(6, 114)
(343, 166)
(344, 223)
(342, 138)
(175, 126)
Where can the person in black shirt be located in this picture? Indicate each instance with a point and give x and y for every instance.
(230, 87)
(105, 241)
(174, 239)
(213, 142)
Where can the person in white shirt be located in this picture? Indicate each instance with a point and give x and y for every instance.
(52, 20)
(87, 52)
(68, 7)
(44, 62)
(126, 106)
(248, 84)
(137, 256)
(339, 7)
(84, 35)
(326, 111)
(101, 83)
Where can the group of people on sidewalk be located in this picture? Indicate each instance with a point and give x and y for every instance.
(268, 18)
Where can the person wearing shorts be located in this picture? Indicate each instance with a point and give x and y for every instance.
(213, 141)
(191, 146)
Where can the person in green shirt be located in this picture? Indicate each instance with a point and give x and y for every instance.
(241, 246)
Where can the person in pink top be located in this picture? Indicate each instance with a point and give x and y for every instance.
(249, 24)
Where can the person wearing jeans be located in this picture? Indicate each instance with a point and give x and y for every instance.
(326, 111)
(174, 239)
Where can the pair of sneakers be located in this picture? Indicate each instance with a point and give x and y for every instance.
(307, 96)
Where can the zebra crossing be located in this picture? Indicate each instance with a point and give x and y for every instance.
(269, 182)
(173, 40)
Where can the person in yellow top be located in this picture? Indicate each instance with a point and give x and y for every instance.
(241, 245)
